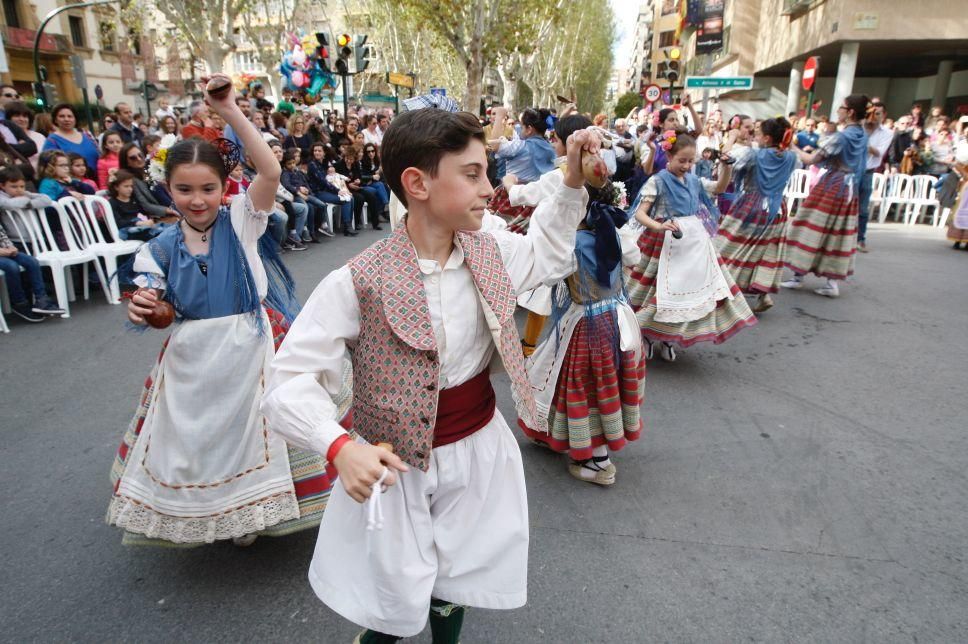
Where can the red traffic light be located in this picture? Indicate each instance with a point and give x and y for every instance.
(322, 52)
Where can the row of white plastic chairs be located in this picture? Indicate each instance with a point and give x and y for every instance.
(86, 245)
(83, 244)
(913, 195)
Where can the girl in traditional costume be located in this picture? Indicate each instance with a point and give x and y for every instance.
(528, 156)
(751, 236)
(679, 291)
(822, 239)
(588, 376)
(198, 462)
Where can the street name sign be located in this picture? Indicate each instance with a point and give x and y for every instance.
(720, 82)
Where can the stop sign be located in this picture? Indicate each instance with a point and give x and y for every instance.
(810, 72)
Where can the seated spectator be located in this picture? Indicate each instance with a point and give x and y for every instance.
(54, 172)
(236, 184)
(298, 136)
(13, 194)
(199, 123)
(129, 216)
(295, 181)
(319, 172)
(132, 159)
(107, 125)
(297, 211)
(10, 158)
(109, 162)
(371, 175)
(22, 116)
(151, 144)
(67, 138)
(349, 166)
(80, 171)
(280, 122)
(371, 132)
(259, 120)
(168, 125)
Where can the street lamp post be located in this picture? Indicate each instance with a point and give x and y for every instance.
(43, 25)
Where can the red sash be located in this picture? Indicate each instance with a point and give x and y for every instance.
(464, 409)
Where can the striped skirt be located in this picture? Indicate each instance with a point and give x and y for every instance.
(312, 477)
(728, 318)
(518, 217)
(753, 251)
(822, 238)
(598, 394)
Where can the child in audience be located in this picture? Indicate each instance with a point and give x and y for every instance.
(111, 145)
(56, 181)
(13, 194)
(132, 222)
(79, 170)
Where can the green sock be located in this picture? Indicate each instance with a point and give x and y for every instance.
(372, 637)
(446, 620)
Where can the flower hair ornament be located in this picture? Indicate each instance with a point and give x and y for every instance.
(786, 140)
(667, 140)
(230, 152)
(735, 122)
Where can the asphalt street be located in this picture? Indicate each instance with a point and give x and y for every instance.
(803, 482)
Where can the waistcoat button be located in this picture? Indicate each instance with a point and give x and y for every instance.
(431, 387)
(424, 420)
(420, 455)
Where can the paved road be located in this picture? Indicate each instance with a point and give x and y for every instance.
(806, 481)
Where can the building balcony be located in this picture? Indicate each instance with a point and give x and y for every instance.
(17, 38)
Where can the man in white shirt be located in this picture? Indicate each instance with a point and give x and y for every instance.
(878, 141)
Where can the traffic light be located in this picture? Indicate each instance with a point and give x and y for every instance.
(343, 54)
(362, 54)
(672, 71)
(40, 93)
(322, 51)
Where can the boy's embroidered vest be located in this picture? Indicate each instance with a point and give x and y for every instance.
(396, 369)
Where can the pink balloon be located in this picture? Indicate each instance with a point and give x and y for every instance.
(299, 78)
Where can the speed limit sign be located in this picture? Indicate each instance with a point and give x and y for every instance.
(652, 93)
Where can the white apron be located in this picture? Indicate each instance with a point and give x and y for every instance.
(206, 466)
(690, 280)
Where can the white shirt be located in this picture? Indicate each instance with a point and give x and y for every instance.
(880, 139)
(307, 371)
(376, 138)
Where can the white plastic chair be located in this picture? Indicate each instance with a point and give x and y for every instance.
(923, 197)
(797, 188)
(4, 303)
(878, 183)
(85, 222)
(897, 192)
(33, 229)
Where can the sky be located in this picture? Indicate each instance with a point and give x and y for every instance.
(626, 12)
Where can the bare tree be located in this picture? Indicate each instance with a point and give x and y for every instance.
(208, 28)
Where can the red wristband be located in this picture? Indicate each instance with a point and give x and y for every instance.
(336, 446)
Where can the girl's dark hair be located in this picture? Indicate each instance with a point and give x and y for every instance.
(682, 141)
(367, 148)
(150, 140)
(197, 150)
(538, 119)
(775, 129)
(119, 177)
(567, 126)
(289, 154)
(104, 140)
(74, 156)
(858, 104)
(663, 115)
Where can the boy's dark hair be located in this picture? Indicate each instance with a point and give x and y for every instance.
(120, 177)
(289, 154)
(150, 140)
(775, 129)
(567, 126)
(193, 150)
(420, 139)
(11, 173)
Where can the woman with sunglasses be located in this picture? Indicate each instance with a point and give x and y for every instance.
(339, 137)
(371, 175)
(132, 159)
(67, 138)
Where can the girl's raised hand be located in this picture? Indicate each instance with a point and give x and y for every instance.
(219, 93)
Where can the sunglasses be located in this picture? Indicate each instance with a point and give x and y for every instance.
(135, 157)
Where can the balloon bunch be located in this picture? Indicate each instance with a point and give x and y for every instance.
(304, 68)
